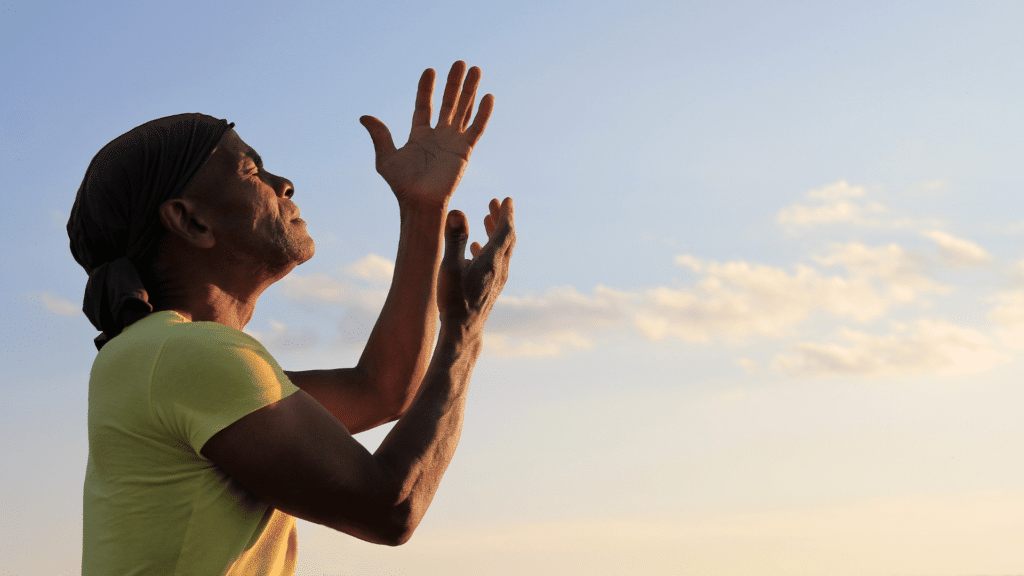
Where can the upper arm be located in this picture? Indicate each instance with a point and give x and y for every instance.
(350, 394)
(297, 457)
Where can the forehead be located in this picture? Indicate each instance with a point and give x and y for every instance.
(228, 161)
(232, 151)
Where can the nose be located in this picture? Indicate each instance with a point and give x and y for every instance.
(284, 187)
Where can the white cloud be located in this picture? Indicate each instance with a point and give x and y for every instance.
(559, 308)
(538, 346)
(373, 268)
(281, 338)
(738, 299)
(957, 251)
(897, 269)
(838, 208)
(320, 288)
(928, 347)
(558, 321)
(59, 305)
(691, 262)
(836, 191)
(842, 204)
(747, 364)
(1016, 272)
(839, 211)
(1008, 310)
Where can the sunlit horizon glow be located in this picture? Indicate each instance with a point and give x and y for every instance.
(765, 313)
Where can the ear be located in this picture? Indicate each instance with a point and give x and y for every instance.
(182, 218)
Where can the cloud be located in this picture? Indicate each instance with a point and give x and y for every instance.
(897, 269)
(559, 308)
(735, 300)
(59, 305)
(560, 320)
(1009, 308)
(836, 191)
(747, 364)
(1008, 311)
(537, 346)
(840, 211)
(958, 252)
(928, 347)
(322, 289)
(281, 338)
(842, 204)
(373, 268)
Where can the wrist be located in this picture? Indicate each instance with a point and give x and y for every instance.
(461, 335)
(418, 203)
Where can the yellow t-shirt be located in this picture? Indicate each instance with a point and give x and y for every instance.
(154, 504)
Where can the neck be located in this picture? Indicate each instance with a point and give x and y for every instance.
(212, 293)
(210, 303)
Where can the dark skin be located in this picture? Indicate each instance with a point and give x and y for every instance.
(236, 231)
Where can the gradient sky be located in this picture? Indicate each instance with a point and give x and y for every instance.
(766, 310)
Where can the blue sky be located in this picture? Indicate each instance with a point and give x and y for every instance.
(767, 302)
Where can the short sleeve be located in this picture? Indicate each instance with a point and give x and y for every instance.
(209, 376)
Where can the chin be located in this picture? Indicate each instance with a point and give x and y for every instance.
(306, 252)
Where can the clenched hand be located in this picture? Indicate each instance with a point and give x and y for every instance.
(467, 289)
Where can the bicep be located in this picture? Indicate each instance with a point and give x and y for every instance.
(349, 394)
(298, 458)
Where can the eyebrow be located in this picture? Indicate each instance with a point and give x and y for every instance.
(250, 153)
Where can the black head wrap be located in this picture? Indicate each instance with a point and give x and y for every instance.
(115, 222)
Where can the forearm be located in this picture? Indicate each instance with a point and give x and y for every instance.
(417, 451)
(398, 350)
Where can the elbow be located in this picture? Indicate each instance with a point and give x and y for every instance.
(398, 525)
(386, 529)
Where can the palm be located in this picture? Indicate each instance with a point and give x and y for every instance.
(430, 165)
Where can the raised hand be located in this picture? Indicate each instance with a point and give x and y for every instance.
(430, 165)
(467, 289)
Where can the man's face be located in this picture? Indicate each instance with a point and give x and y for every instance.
(249, 209)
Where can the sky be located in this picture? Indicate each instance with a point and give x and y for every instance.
(766, 307)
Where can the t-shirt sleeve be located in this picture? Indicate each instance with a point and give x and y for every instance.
(203, 381)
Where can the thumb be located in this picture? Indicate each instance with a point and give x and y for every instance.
(379, 134)
(456, 235)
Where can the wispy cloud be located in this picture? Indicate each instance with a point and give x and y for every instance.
(738, 299)
(373, 268)
(323, 289)
(927, 347)
(59, 305)
(281, 338)
(958, 252)
(840, 203)
(560, 320)
(899, 271)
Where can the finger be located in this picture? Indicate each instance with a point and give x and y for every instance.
(495, 207)
(465, 110)
(502, 235)
(424, 99)
(464, 122)
(483, 114)
(474, 249)
(451, 93)
(380, 135)
(456, 234)
(505, 229)
(489, 223)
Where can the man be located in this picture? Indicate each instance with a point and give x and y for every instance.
(201, 449)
